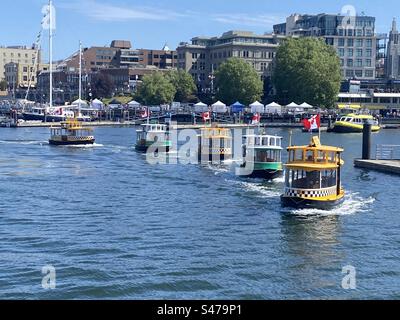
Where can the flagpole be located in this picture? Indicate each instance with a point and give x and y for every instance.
(51, 51)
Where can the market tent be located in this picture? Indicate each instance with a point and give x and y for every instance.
(134, 104)
(200, 107)
(237, 107)
(80, 102)
(257, 107)
(305, 105)
(114, 104)
(219, 107)
(273, 108)
(97, 104)
(292, 105)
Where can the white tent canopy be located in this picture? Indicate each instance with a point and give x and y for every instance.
(80, 102)
(273, 108)
(257, 107)
(200, 107)
(97, 104)
(219, 107)
(305, 105)
(293, 105)
(134, 104)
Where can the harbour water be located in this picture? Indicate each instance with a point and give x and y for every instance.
(115, 227)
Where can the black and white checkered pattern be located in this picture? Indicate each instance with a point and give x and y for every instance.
(310, 193)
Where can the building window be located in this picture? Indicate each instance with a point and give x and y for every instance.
(358, 73)
(341, 52)
(368, 53)
(350, 32)
(350, 52)
(330, 41)
(341, 42)
(349, 62)
(341, 32)
(359, 32)
(194, 55)
(368, 63)
(341, 62)
(359, 63)
(350, 42)
(359, 42)
(359, 52)
(369, 43)
(369, 73)
(349, 73)
(25, 69)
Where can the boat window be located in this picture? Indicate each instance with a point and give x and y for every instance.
(310, 156)
(267, 156)
(300, 179)
(328, 179)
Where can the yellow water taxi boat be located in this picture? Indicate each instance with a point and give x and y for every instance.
(353, 123)
(71, 132)
(313, 176)
(215, 144)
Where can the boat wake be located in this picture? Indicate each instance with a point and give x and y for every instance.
(85, 146)
(353, 204)
(23, 142)
(260, 190)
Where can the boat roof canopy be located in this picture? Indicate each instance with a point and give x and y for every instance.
(315, 145)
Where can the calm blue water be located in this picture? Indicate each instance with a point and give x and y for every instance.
(115, 227)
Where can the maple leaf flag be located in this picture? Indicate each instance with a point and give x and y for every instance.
(206, 116)
(145, 114)
(312, 124)
(256, 119)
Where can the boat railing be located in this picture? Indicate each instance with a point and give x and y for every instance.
(387, 152)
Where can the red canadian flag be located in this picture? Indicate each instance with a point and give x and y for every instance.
(145, 114)
(256, 119)
(206, 116)
(312, 124)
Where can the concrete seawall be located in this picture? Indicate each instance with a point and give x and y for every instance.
(387, 166)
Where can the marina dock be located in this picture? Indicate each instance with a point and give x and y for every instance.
(387, 166)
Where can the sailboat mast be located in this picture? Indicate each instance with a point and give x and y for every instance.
(80, 78)
(51, 50)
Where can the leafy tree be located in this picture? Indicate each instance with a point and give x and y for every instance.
(103, 86)
(156, 89)
(184, 85)
(3, 85)
(237, 80)
(307, 70)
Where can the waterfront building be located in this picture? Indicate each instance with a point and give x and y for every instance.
(17, 54)
(204, 55)
(22, 75)
(393, 53)
(162, 59)
(360, 49)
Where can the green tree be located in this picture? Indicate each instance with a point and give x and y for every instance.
(237, 80)
(3, 85)
(307, 70)
(103, 86)
(155, 89)
(184, 85)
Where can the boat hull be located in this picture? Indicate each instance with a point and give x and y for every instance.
(266, 174)
(340, 128)
(145, 147)
(301, 203)
(71, 143)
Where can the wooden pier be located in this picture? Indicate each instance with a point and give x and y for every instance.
(387, 166)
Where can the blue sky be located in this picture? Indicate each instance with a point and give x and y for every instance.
(151, 23)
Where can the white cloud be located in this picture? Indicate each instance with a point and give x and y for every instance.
(114, 13)
(264, 20)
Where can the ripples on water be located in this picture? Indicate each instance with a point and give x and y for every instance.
(116, 227)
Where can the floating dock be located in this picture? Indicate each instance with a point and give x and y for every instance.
(387, 166)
